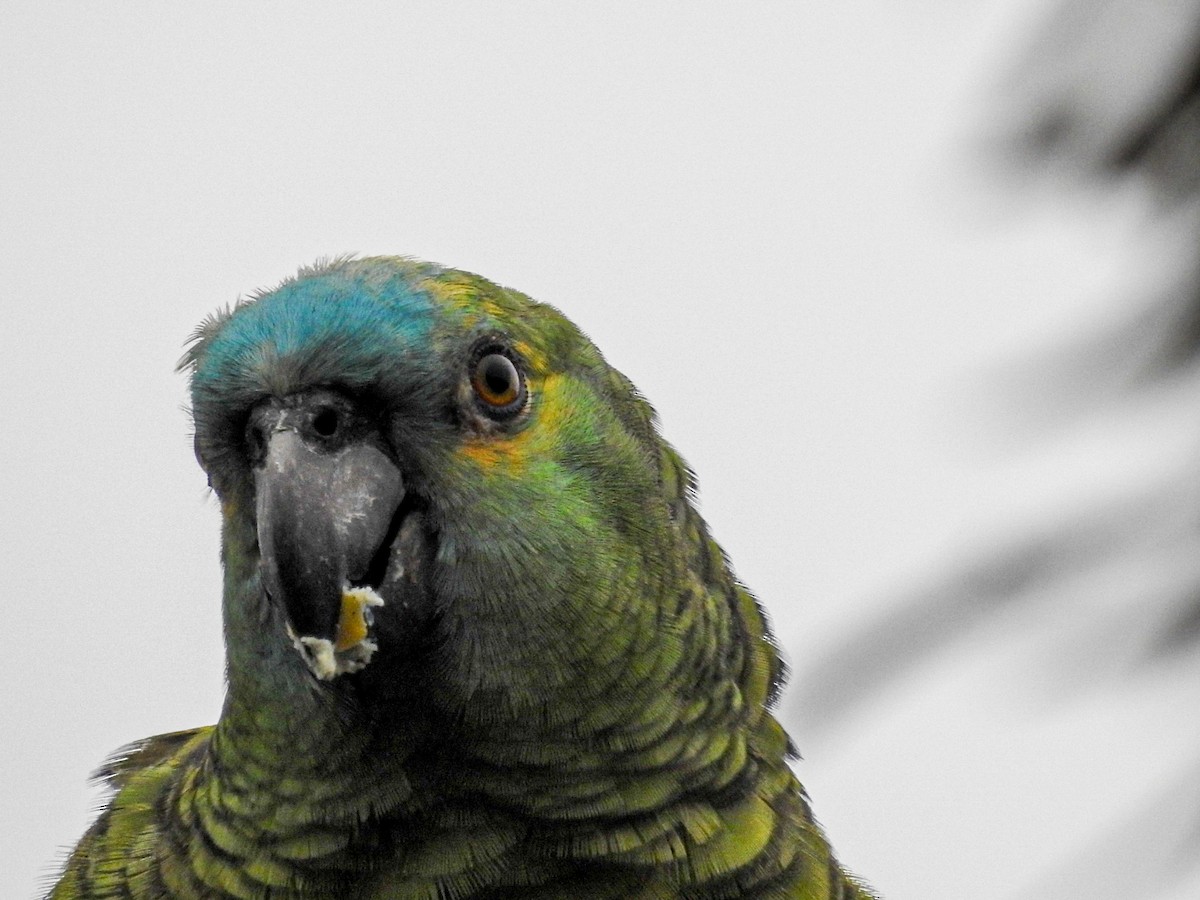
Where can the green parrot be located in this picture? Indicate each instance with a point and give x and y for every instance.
(479, 642)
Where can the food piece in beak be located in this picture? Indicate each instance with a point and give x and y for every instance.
(352, 647)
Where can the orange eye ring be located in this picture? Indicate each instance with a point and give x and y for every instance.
(498, 383)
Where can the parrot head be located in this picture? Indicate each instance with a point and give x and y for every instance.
(479, 642)
(429, 484)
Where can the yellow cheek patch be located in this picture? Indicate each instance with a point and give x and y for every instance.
(513, 451)
(484, 454)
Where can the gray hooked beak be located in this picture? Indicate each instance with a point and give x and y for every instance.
(323, 515)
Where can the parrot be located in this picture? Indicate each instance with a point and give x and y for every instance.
(480, 644)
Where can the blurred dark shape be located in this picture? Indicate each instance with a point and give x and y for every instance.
(1111, 89)
(1106, 98)
(1109, 95)
(1163, 523)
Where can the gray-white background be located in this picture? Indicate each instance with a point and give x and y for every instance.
(765, 214)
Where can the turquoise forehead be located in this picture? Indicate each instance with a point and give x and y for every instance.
(352, 315)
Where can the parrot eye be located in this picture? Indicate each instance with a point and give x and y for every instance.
(498, 383)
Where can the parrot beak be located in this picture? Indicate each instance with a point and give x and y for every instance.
(325, 516)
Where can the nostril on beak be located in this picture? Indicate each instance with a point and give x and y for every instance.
(326, 422)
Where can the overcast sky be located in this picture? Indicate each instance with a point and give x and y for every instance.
(764, 214)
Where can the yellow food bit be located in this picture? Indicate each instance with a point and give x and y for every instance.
(354, 619)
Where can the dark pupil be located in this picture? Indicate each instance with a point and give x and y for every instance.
(497, 375)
